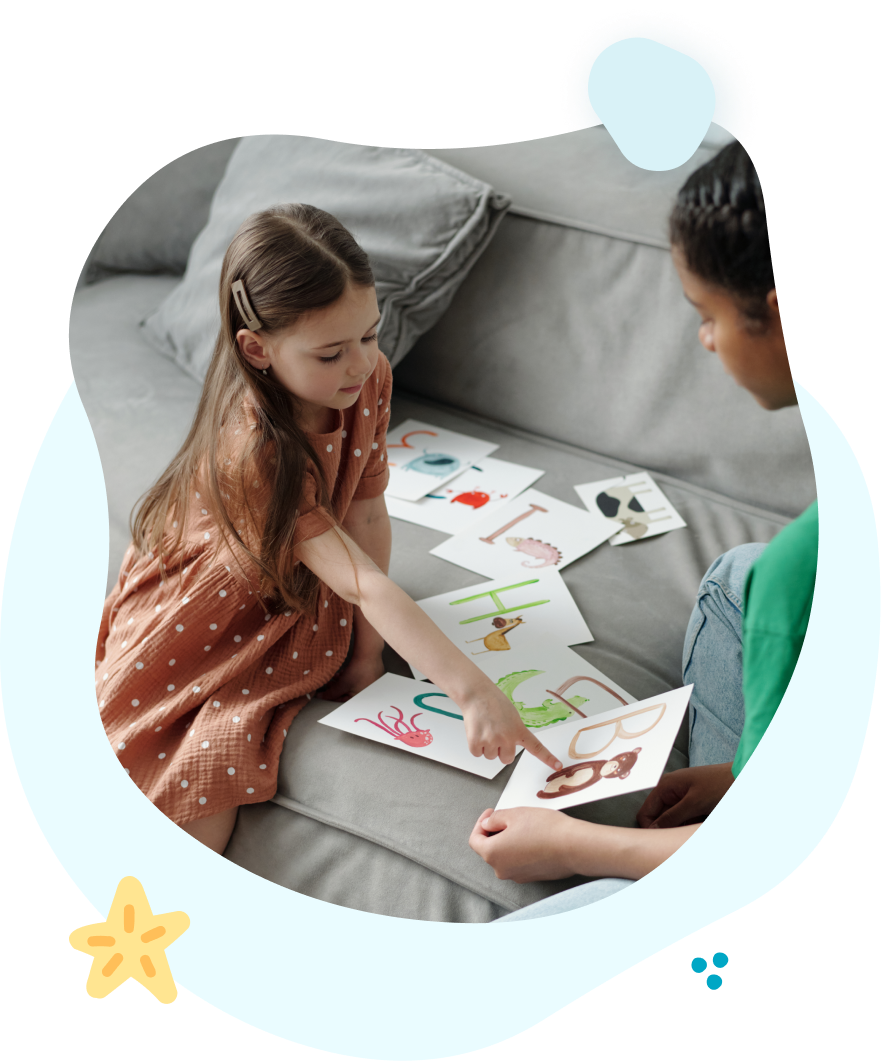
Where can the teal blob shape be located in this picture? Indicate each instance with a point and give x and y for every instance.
(698, 965)
(720, 959)
(714, 982)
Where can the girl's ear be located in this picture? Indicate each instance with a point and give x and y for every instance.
(253, 348)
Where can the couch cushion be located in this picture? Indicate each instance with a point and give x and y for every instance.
(153, 230)
(588, 340)
(581, 179)
(422, 222)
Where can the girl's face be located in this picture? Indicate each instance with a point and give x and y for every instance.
(325, 358)
(756, 360)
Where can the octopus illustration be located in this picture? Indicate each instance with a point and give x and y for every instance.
(549, 554)
(495, 640)
(411, 734)
(582, 775)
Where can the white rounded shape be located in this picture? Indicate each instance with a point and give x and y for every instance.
(123, 644)
(329, 448)
(207, 648)
(197, 689)
(121, 745)
(217, 703)
(205, 743)
(315, 628)
(305, 672)
(129, 623)
(186, 600)
(287, 612)
(179, 628)
(375, 445)
(158, 608)
(106, 676)
(263, 766)
(230, 770)
(249, 737)
(295, 655)
(204, 511)
(357, 452)
(202, 800)
(136, 703)
(101, 703)
(157, 729)
(250, 791)
(260, 637)
(172, 662)
(170, 688)
(222, 593)
(184, 784)
(342, 622)
(236, 718)
(128, 771)
(206, 536)
(328, 653)
(198, 496)
(269, 670)
(245, 692)
(162, 755)
(237, 638)
(367, 412)
(213, 626)
(379, 402)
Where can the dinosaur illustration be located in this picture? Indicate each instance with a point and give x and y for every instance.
(550, 710)
(550, 554)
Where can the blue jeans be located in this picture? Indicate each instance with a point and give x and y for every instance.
(712, 658)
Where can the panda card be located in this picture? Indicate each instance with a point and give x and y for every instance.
(634, 502)
(422, 458)
(621, 750)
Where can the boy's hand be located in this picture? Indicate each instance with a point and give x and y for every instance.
(525, 844)
(495, 730)
(357, 674)
(684, 797)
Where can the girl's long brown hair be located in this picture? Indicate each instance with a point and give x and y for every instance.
(292, 259)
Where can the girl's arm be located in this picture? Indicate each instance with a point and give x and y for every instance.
(529, 843)
(493, 726)
(368, 524)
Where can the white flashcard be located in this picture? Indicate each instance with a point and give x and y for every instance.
(634, 502)
(533, 532)
(422, 457)
(550, 685)
(415, 717)
(471, 495)
(481, 619)
(618, 751)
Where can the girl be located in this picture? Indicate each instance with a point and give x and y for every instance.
(259, 558)
(747, 628)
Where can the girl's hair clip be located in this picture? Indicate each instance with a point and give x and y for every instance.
(244, 306)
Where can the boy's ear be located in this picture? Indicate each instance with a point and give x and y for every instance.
(772, 300)
(251, 346)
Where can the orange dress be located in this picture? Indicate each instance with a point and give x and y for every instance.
(196, 683)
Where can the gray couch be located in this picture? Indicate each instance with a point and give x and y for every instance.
(569, 343)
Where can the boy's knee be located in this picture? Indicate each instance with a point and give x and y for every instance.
(727, 574)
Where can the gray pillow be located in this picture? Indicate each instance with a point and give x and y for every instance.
(153, 230)
(422, 222)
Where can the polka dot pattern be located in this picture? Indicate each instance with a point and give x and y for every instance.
(211, 740)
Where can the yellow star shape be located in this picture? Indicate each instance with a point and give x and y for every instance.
(131, 942)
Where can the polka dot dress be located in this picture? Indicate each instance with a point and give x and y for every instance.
(196, 682)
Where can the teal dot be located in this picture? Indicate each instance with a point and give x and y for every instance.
(720, 960)
(698, 965)
(714, 982)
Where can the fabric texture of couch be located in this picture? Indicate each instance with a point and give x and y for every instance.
(569, 344)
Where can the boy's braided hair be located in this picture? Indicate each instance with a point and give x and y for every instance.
(719, 224)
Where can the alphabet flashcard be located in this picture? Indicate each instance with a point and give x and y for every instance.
(533, 532)
(621, 750)
(634, 502)
(422, 458)
(478, 491)
(494, 617)
(415, 717)
(551, 685)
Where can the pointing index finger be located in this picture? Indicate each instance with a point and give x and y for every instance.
(532, 744)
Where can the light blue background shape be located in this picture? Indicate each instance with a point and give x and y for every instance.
(362, 984)
(409, 989)
(655, 102)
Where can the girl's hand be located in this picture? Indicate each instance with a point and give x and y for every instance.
(526, 844)
(495, 729)
(357, 674)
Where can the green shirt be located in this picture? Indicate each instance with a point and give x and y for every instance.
(777, 605)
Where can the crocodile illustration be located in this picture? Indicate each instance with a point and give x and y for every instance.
(550, 710)
(550, 554)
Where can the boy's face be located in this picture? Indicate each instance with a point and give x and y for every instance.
(755, 359)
